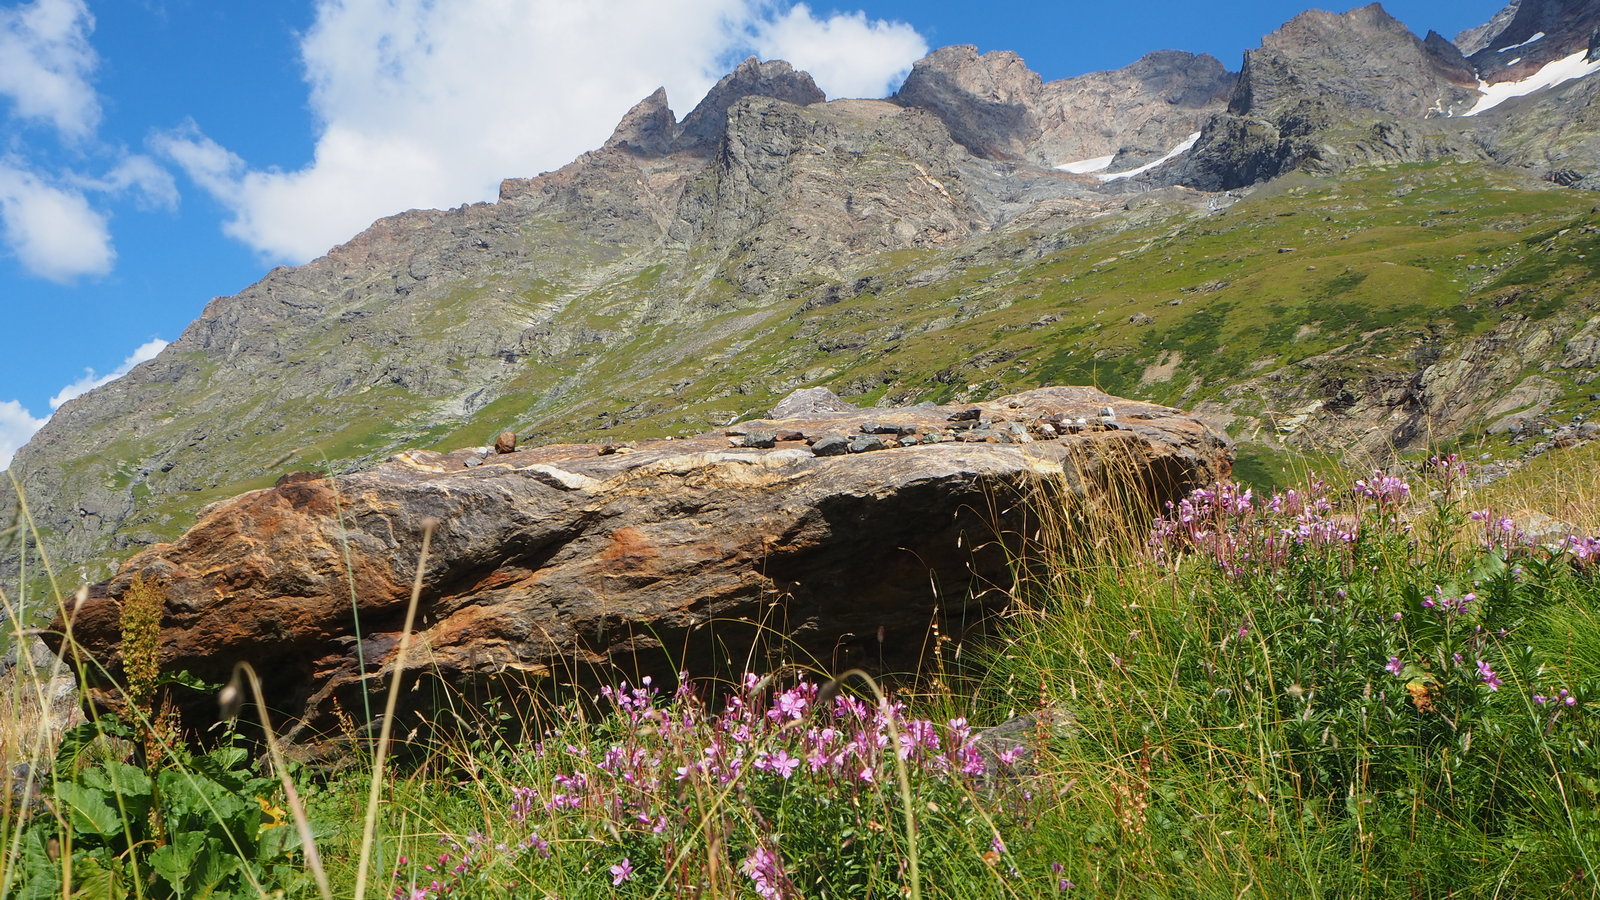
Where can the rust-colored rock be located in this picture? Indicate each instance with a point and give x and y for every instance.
(553, 562)
(506, 442)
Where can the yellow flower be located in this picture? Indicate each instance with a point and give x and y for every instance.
(275, 816)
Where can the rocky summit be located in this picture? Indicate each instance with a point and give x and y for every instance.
(1357, 237)
(837, 537)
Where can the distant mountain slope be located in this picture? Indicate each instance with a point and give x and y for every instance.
(1318, 251)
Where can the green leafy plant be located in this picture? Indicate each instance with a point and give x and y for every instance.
(205, 825)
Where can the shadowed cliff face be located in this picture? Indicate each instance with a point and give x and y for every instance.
(1528, 34)
(999, 109)
(688, 273)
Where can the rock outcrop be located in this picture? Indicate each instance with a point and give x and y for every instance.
(998, 108)
(651, 129)
(1528, 34)
(1363, 62)
(1328, 91)
(703, 127)
(704, 553)
(1478, 37)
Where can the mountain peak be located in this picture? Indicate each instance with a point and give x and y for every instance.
(649, 128)
(1364, 60)
(775, 78)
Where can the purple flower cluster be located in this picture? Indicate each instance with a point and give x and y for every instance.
(765, 871)
(1562, 698)
(669, 753)
(1489, 678)
(1445, 603)
(1585, 550)
(1499, 532)
(1388, 490)
(1227, 525)
(1450, 471)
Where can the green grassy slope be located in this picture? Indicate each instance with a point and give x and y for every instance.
(1308, 295)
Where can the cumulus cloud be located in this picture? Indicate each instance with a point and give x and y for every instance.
(53, 230)
(90, 380)
(47, 64)
(420, 103)
(151, 186)
(848, 55)
(47, 219)
(16, 426)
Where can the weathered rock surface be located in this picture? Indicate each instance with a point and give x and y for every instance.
(999, 109)
(548, 563)
(1363, 61)
(1299, 92)
(1528, 34)
(1555, 132)
(704, 125)
(1476, 38)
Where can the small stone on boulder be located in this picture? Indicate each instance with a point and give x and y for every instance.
(810, 402)
(866, 443)
(831, 445)
(506, 442)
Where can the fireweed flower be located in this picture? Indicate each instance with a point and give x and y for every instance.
(765, 871)
(629, 785)
(1488, 676)
(621, 872)
(1584, 550)
(1388, 490)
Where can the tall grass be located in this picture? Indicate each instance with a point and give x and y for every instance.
(1360, 690)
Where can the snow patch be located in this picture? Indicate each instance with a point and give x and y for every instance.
(1174, 153)
(1554, 73)
(1525, 43)
(1086, 166)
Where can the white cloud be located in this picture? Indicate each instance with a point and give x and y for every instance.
(53, 231)
(151, 185)
(45, 63)
(421, 103)
(48, 222)
(90, 380)
(848, 55)
(16, 426)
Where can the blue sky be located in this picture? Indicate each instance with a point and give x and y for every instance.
(157, 153)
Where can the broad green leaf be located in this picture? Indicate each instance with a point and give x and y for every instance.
(118, 778)
(90, 809)
(93, 879)
(175, 861)
(215, 864)
(40, 876)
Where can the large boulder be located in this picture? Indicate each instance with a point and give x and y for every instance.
(569, 562)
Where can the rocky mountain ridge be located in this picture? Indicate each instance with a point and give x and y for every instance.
(923, 247)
